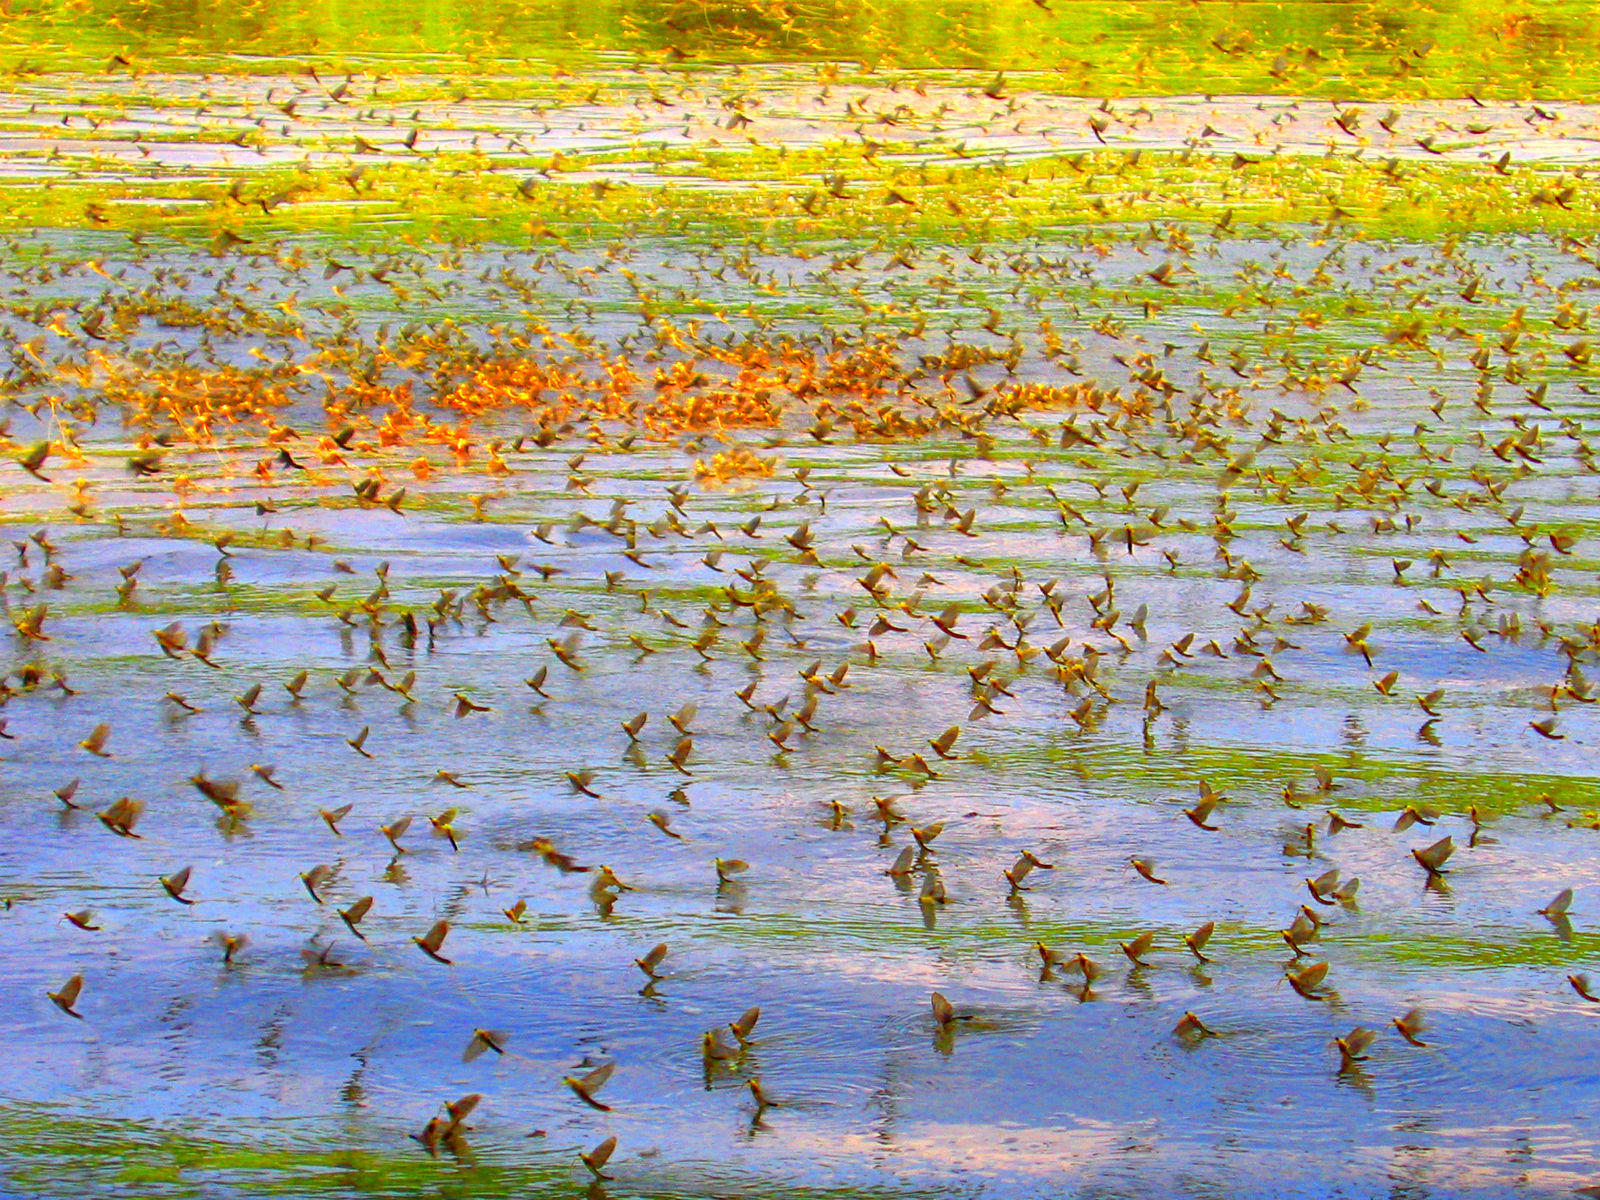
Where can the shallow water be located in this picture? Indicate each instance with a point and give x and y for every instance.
(180, 127)
(1044, 1085)
(1299, 431)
